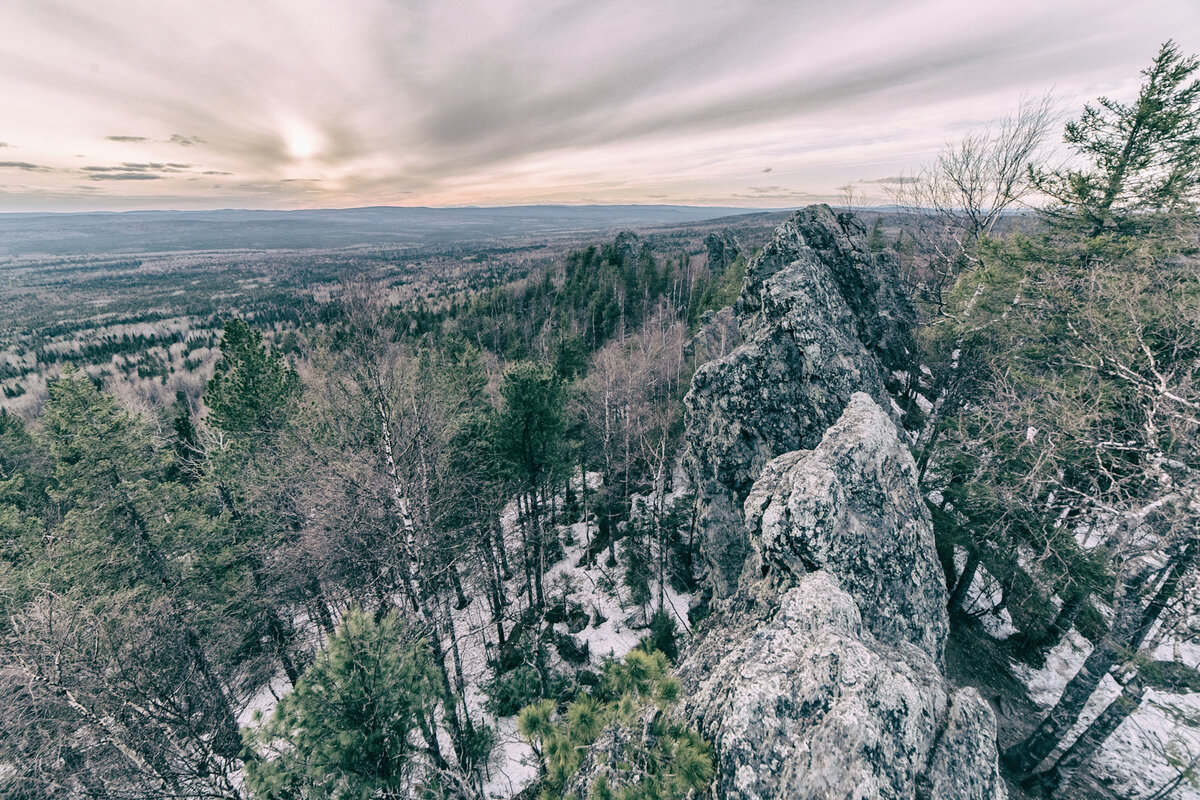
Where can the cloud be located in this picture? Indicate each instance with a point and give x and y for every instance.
(5, 144)
(125, 176)
(130, 165)
(25, 165)
(133, 166)
(126, 138)
(185, 141)
(138, 171)
(894, 180)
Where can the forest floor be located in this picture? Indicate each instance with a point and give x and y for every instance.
(616, 627)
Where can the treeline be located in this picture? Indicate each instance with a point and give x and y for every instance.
(105, 347)
(1064, 363)
(571, 308)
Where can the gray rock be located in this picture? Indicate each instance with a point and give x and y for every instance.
(964, 763)
(822, 318)
(810, 705)
(716, 337)
(852, 507)
(723, 249)
(820, 677)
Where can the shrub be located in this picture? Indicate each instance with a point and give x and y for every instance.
(669, 760)
(662, 635)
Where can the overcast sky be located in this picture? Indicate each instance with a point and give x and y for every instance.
(120, 104)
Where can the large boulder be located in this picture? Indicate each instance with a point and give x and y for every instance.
(820, 677)
(852, 507)
(811, 705)
(821, 317)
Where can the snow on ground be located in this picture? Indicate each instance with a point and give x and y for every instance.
(1134, 759)
(261, 705)
(513, 765)
(598, 589)
(1045, 685)
(984, 596)
(1135, 756)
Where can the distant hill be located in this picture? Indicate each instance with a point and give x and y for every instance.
(159, 231)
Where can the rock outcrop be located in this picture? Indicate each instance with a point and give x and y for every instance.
(820, 678)
(722, 248)
(821, 318)
(818, 672)
(855, 503)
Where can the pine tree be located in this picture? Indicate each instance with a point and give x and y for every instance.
(252, 396)
(875, 243)
(350, 729)
(1141, 160)
(656, 759)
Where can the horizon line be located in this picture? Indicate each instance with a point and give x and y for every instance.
(165, 210)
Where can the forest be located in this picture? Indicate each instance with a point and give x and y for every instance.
(439, 543)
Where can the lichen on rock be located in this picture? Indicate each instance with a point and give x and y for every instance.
(818, 673)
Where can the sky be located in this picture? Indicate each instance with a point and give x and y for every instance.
(141, 104)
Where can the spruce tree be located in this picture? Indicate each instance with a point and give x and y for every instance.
(253, 389)
(1139, 161)
(252, 396)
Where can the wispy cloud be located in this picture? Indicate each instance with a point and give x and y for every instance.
(139, 171)
(125, 176)
(311, 103)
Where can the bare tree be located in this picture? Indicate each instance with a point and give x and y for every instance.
(383, 504)
(973, 182)
(631, 409)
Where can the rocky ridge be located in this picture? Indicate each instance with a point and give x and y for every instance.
(821, 317)
(819, 672)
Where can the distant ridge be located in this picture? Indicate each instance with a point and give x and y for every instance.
(62, 233)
